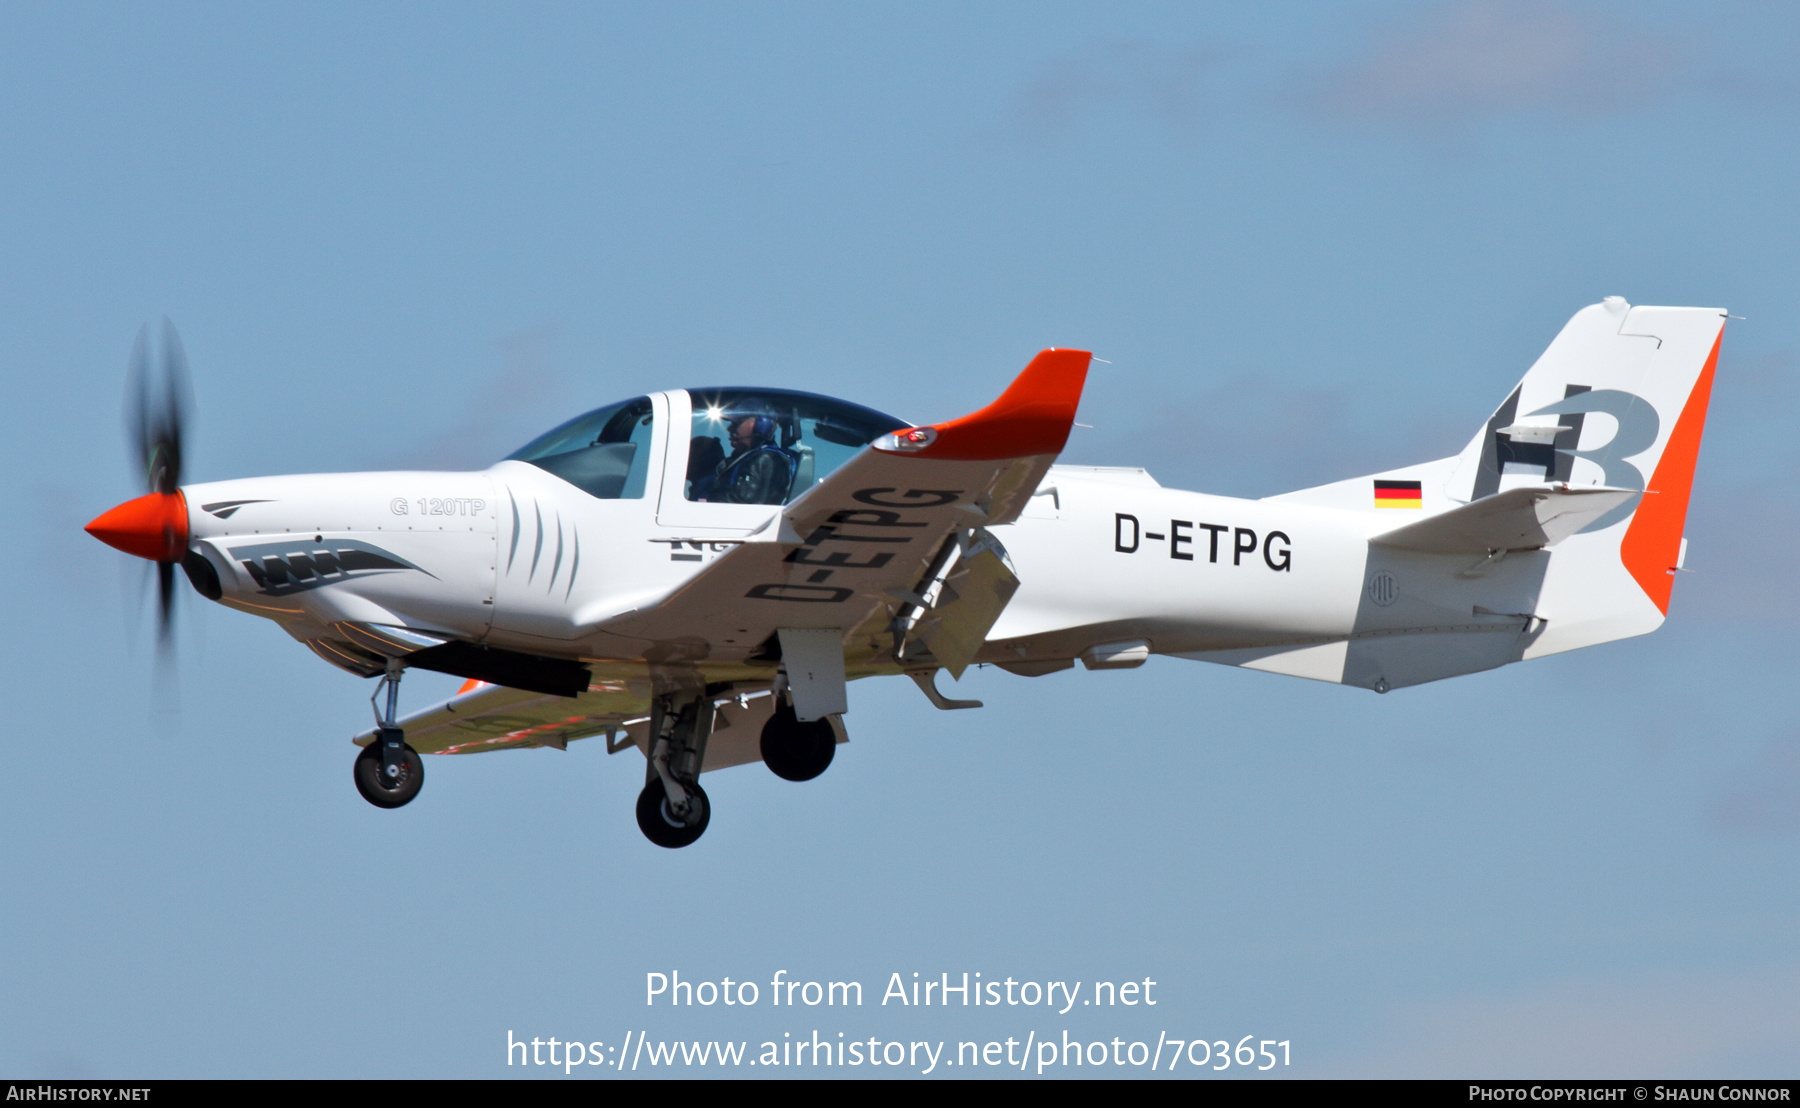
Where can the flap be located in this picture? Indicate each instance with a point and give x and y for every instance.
(967, 605)
(1517, 519)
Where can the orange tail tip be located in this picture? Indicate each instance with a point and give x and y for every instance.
(154, 526)
(1032, 417)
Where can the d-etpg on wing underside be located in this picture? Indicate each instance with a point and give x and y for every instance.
(889, 551)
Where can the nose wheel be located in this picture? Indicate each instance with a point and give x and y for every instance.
(388, 776)
(388, 773)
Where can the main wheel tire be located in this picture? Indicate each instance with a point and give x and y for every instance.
(797, 751)
(661, 826)
(376, 790)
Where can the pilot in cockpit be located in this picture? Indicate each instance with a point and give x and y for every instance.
(759, 470)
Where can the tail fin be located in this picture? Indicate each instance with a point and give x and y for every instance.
(1617, 401)
(1651, 371)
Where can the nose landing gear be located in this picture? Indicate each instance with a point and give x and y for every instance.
(389, 773)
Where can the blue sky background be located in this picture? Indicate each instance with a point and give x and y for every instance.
(1313, 240)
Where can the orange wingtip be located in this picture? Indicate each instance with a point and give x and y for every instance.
(1031, 417)
(469, 686)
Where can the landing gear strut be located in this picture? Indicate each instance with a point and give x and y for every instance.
(388, 773)
(672, 810)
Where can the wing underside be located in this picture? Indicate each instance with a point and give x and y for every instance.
(491, 717)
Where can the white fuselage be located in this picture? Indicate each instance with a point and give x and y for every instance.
(514, 557)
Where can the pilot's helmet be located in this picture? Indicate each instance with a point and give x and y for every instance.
(753, 407)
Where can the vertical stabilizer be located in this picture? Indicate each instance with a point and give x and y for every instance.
(1617, 401)
(1565, 512)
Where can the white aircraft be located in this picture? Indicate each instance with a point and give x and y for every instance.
(699, 573)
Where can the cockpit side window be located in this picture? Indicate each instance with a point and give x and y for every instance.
(767, 446)
(605, 453)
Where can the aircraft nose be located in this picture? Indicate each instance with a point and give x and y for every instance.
(154, 526)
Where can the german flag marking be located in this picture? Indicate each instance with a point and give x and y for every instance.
(1399, 494)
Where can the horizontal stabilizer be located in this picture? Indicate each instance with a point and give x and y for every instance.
(1518, 519)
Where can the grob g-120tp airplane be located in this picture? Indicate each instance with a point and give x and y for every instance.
(699, 573)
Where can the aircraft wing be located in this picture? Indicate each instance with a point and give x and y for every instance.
(858, 547)
(484, 717)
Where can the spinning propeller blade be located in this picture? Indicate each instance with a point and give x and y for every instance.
(158, 401)
(156, 408)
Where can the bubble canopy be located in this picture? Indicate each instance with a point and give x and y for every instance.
(604, 453)
(745, 445)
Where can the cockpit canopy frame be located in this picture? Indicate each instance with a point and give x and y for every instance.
(744, 445)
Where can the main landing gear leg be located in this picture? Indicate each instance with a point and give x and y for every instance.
(388, 773)
(672, 810)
